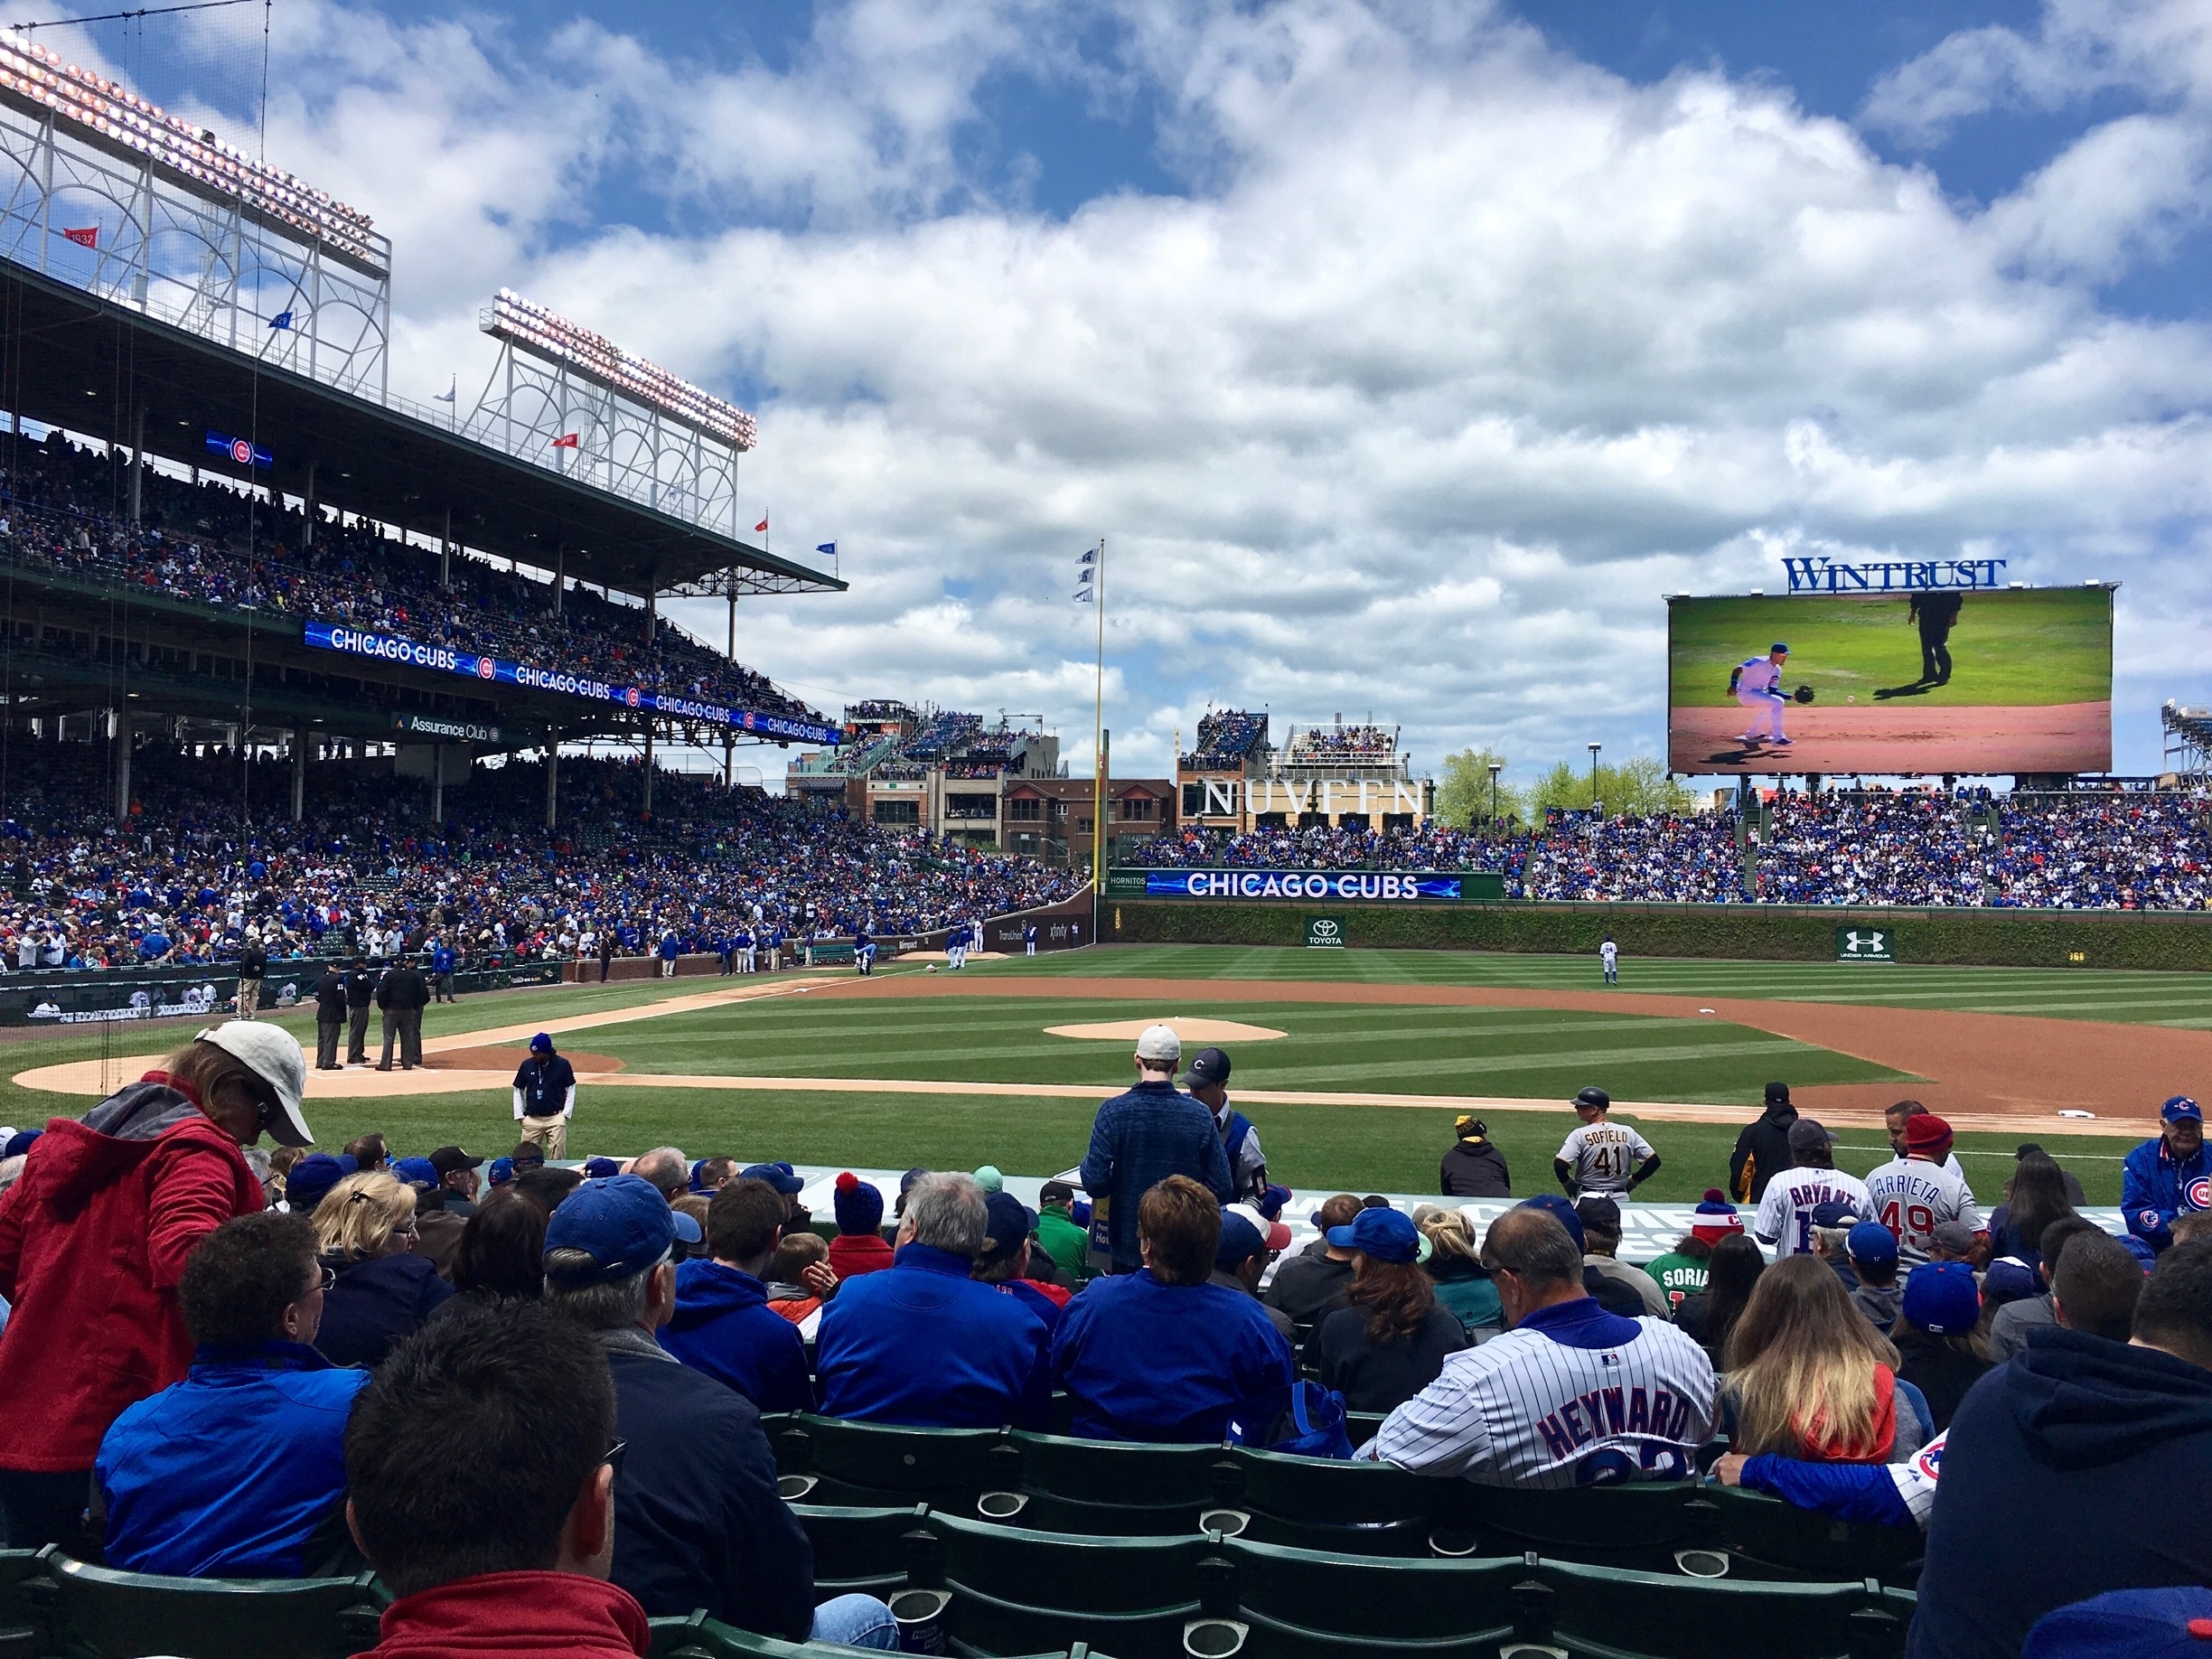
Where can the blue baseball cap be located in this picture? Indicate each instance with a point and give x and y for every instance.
(1940, 1298)
(2133, 1624)
(1869, 1241)
(500, 1172)
(1778, 645)
(1387, 1235)
(313, 1176)
(1240, 1242)
(687, 1229)
(2180, 1109)
(622, 1223)
(1557, 1206)
(541, 1042)
(2008, 1280)
(19, 1142)
(416, 1171)
(1836, 1213)
(600, 1169)
(778, 1176)
(1011, 1223)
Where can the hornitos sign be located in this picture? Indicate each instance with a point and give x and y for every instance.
(1824, 576)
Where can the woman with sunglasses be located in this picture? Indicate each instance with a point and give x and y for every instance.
(365, 1228)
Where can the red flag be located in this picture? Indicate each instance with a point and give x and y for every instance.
(762, 528)
(84, 236)
(568, 440)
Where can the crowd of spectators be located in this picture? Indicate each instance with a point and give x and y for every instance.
(366, 873)
(1226, 739)
(1360, 745)
(57, 512)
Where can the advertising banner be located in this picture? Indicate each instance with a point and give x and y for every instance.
(1324, 933)
(1912, 683)
(1866, 944)
(1370, 886)
(498, 670)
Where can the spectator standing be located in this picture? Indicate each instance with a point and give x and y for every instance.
(1915, 1195)
(1463, 1285)
(402, 995)
(94, 1237)
(1941, 1350)
(1207, 1083)
(1141, 1137)
(1762, 1148)
(381, 1291)
(361, 989)
(1164, 1353)
(1785, 1219)
(986, 1352)
(1808, 1378)
(1305, 1282)
(186, 1493)
(722, 1323)
(1510, 1413)
(859, 1246)
(1064, 1240)
(2167, 1176)
(1601, 1236)
(698, 1521)
(330, 1016)
(545, 1088)
(1733, 1273)
(1474, 1168)
(1391, 1336)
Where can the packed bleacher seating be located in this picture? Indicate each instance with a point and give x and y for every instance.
(1227, 738)
(1358, 744)
(57, 512)
(1681, 856)
(185, 883)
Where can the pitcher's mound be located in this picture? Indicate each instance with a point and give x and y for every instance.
(1190, 1030)
(491, 1057)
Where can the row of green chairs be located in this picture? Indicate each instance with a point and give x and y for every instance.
(1057, 1483)
(50, 1604)
(1019, 1591)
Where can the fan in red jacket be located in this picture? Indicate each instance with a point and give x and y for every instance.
(859, 1246)
(93, 1239)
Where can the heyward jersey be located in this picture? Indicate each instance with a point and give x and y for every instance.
(1525, 1409)
(1912, 1199)
(1786, 1213)
(1602, 1156)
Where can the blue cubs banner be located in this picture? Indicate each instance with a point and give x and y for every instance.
(1385, 886)
(445, 660)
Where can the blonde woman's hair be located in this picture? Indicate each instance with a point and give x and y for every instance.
(357, 1217)
(1801, 1361)
(1450, 1233)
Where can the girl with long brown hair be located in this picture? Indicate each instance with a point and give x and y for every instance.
(1809, 1377)
(1389, 1335)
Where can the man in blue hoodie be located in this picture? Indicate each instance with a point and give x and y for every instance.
(924, 1344)
(2167, 1176)
(723, 1325)
(1141, 1137)
(185, 1491)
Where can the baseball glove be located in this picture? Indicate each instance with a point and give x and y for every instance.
(1803, 694)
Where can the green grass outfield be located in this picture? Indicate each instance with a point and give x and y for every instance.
(2038, 646)
(1371, 1048)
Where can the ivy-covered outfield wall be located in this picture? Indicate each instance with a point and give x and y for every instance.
(1983, 938)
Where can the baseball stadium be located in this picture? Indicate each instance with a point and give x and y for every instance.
(903, 1193)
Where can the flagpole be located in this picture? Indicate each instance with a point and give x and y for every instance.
(1098, 751)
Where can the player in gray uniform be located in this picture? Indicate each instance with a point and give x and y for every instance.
(1602, 1158)
(1569, 1396)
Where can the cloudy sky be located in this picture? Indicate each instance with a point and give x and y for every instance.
(1404, 353)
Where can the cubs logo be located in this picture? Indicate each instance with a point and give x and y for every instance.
(1930, 1460)
(2151, 1221)
(631, 696)
(2198, 1194)
(241, 452)
(486, 668)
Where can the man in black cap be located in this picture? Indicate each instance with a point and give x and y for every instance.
(1763, 1149)
(330, 1016)
(360, 989)
(457, 1173)
(1207, 1083)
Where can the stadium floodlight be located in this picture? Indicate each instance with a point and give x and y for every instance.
(116, 118)
(593, 357)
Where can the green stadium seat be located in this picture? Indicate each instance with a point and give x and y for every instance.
(100, 1613)
(26, 1601)
(700, 1638)
(1770, 1539)
(1016, 1590)
(1605, 1611)
(1363, 1426)
(1633, 1526)
(1309, 1604)
(859, 1550)
(1117, 1488)
(886, 1465)
(1356, 1508)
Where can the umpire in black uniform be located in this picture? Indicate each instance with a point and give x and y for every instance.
(403, 995)
(330, 994)
(360, 989)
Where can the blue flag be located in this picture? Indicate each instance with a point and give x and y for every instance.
(283, 319)
(828, 547)
(1090, 556)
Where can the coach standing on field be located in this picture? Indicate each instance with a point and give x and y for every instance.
(1141, 1137)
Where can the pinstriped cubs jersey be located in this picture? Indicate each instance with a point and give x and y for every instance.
(1525, 1409)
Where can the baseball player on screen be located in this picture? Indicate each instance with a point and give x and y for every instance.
(1757, 685)
(1570, 1396)
(1914, 1195)
(1602, 1158)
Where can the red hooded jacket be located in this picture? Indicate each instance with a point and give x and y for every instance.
(517, 1616)
(852, 1254)
(93, 1238)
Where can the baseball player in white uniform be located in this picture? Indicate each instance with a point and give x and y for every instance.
(1784, 1218)
(1914, 1195)
(1757, 685)
(1609, 954)
(1570, 1395)
(1602, 1158)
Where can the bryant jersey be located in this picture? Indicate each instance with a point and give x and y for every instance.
(1602, 1155)
(1912, 1199)
(1759, 675)
(1525, 1411)
(1785, 1217)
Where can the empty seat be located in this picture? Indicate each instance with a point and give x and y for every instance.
(1307, 1602)
(1112, 1487)
(1636, 1525)
(700, 1638)
(1772, 1539)
(885, 1464)
(100, 1613)
(1325, 1504)
(1586, 1609)
(858, 1549)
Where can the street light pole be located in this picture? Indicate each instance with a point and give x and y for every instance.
(1495, 767)
(1593, 749)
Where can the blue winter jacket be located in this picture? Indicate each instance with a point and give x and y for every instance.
(1137, 1141)
(229, 1473)
(724, 1327)
(923, 1344)
(1145, 1360)
(2154, 1189)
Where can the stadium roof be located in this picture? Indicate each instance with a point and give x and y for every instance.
(79, 357)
